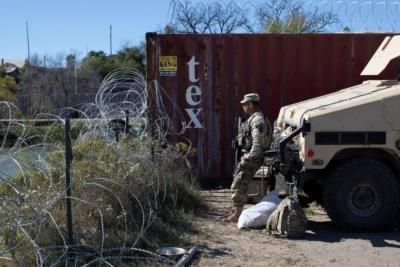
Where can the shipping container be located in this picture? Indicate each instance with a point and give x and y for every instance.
(203, 78)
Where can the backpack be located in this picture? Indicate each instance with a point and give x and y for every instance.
(288, 220)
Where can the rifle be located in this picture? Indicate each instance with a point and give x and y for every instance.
(235, 143)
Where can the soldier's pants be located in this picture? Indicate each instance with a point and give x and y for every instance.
(243, 175)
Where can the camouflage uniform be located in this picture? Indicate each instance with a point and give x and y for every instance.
(254, 137)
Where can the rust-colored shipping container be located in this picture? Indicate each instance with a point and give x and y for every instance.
(203, 78)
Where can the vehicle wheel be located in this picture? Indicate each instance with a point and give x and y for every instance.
(362, 194)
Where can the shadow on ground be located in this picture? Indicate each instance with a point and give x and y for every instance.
(326, 231)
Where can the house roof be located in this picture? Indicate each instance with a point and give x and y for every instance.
(10, 65)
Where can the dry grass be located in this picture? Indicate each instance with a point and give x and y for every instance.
(124, 198)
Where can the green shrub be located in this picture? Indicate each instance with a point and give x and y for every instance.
(8, 88)
(124, 198)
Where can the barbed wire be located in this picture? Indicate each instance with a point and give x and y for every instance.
(113, 208)
(349, 15)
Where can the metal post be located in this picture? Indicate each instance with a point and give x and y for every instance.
(188, 257)
(152, 78)
(126, 122)
(68, 161)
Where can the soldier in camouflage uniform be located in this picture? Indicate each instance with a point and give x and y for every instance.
(254, 138)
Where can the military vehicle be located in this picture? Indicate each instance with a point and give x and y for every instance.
(343, 149)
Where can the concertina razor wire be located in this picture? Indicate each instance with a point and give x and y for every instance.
(121, 93)
(33, 205)
(348, 15)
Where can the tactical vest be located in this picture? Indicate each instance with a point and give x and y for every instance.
(245, 139)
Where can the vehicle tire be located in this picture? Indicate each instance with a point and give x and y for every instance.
(362, 195)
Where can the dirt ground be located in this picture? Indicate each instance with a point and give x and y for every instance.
(324, 245)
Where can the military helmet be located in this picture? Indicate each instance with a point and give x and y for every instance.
(252, 97)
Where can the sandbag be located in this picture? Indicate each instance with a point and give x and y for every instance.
(257, 215)
(287, 220)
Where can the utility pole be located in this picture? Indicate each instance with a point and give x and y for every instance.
(110, 39)
(27, 40)
(75, 74)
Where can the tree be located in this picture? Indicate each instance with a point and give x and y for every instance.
(206, 17)
(45, 89)
(98, 62)
(65, 82)
(8, 87)
(290, 16)
(131, 58)
(126, 58)
(71, 61)
(273, 16)
(61, 83)
(168, 29)
(346, 29)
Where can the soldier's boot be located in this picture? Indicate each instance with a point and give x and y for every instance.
(235, 216)
(228, 213)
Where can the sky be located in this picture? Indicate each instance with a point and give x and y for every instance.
(72, 26)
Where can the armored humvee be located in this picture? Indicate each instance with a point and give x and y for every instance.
(343, 149)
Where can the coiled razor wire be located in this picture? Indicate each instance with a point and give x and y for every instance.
(26, 212)
(252, 15)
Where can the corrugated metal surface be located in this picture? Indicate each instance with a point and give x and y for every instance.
(282, 68)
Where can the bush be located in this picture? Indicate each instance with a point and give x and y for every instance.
(8, 88)
(125, 199)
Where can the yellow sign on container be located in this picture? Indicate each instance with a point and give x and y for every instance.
(168, 65)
